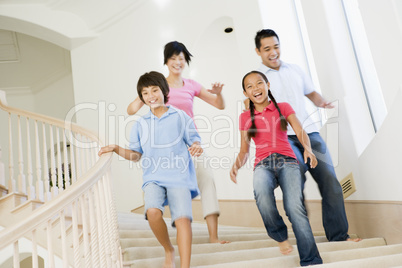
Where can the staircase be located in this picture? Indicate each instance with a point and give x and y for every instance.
(56, 203)
(249, 247)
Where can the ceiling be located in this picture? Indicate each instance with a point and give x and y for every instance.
(28, 64)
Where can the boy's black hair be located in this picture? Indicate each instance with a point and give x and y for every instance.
(153, 79)
(252, 131)
(263, 34)
(175, 48)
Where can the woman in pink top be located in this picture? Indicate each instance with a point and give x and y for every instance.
(181, 95)
(276, 165)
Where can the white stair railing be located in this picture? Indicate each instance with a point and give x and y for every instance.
(77, 224)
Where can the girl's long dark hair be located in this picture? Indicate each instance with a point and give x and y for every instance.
(252, 131)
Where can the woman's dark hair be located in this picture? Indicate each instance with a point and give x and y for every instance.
(153, 79)
(264, 33)
(252, 131)
(175, 48)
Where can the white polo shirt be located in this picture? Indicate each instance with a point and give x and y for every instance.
(290, 84)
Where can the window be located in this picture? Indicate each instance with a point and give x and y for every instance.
(368, 74)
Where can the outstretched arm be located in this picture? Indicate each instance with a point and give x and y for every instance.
(213, 96)
(125, 153)
(319, 101)
(304, 139)
(241, 157)
(134, 106)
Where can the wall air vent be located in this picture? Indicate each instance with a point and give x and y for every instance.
(9, 51)
(348, 186)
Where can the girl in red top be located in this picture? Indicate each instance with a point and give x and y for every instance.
(276, 165)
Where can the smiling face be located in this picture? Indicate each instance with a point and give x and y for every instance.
(256, 89)
(153, 96)
(176, 63)
(270, 52)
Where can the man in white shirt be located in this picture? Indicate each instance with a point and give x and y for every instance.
(290, 84)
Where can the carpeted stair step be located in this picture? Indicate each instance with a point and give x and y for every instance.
(199, 232)
(224, 234)
(335, 257)
(361, 253)
(266, 251)
(136, 253)
(138, 242)
(394, 261)
(249, 247)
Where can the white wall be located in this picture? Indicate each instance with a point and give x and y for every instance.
(132, 50)
(375, 175)
(105, 71)
(379, 165)
(56, 99)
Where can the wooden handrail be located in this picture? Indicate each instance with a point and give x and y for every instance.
(41, 215)
(51, 120)
(86, 192)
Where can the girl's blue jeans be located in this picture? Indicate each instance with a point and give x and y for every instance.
(279, 170)
(333, 208)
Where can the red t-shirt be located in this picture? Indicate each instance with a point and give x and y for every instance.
(269, 138)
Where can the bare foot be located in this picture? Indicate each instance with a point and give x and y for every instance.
(285, 247)
(217, 241)
(354, 239)
(169, 259)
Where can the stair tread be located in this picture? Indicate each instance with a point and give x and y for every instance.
(249, 247)
(338, 257)
(216, 250)
(202, 232)
(393, 260)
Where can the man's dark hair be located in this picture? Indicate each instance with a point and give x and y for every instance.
(263, 34)
(175, 48)
(153, 79)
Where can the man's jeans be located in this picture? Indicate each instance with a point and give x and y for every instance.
(333, 209)
(279, 170)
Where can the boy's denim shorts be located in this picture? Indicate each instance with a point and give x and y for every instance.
(178, 199)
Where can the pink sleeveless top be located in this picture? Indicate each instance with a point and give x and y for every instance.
(183, 97)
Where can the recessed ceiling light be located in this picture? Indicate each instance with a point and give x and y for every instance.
(228, 30)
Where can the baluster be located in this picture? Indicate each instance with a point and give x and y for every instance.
(21, 175)
(113, 233)
(87, 154)
(78, 157)
(94, 231)
(31, 188)
(16, 255)
(35, 263)
(76, 240)
(103, 202)
(39, 181)
(12, 185)
(100, 227)
(84, 155)
(85, 230)
(2, 171)
(50, 245)
(46, 173)
(93, 153)
(115, 226)
(67, 177)
(72, 159)
(59, 166)
(63, 239)
(54, 189)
